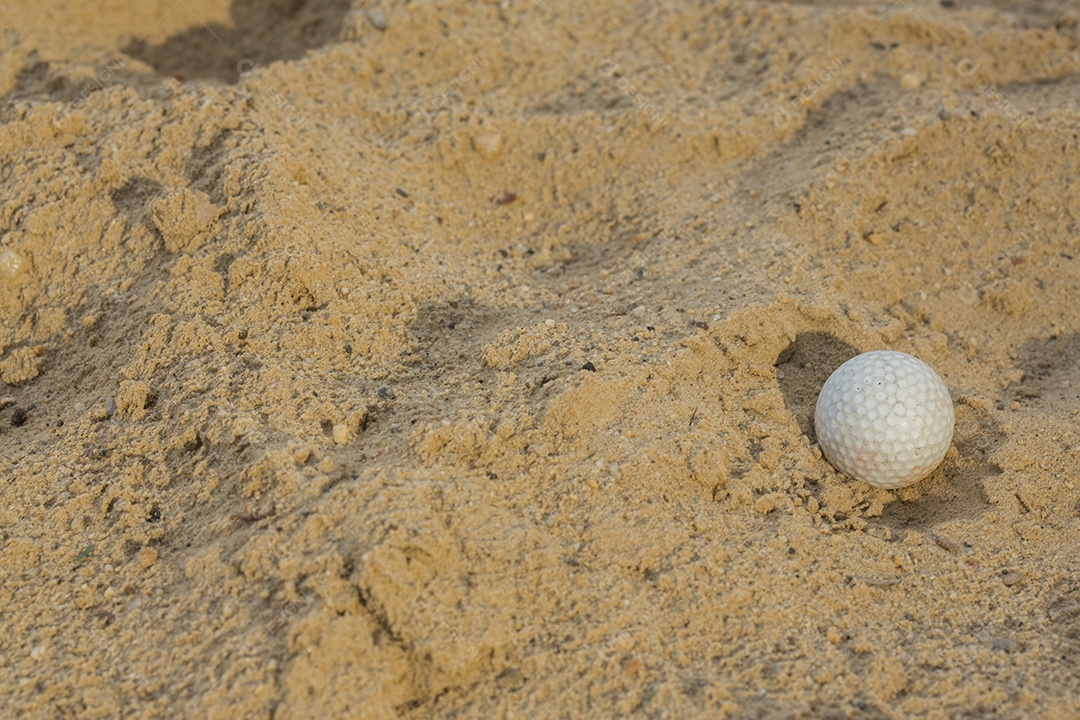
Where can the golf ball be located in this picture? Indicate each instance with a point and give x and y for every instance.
(884, 418)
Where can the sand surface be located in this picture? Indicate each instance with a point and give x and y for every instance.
(458, 359)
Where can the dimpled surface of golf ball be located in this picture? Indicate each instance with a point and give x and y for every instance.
(884, 418)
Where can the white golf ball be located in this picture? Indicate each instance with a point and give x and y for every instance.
(884, 418)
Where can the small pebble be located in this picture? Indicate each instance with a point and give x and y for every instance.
(945, 543)
(18, 417)
(110, 407)
(387, 393)
(909, 132)
(910, 81)
(589, 366)
(1011, 578)
(487, 144)
(376, 18)
(11, 264)
(639, 311)
(342, 434)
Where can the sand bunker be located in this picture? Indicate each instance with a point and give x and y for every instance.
(446, 359)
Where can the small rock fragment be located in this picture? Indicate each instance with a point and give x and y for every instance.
(911, 81)
(487, 144)
(376, 18)
(11, 264)
(1011, 578)
(945, 543)
(342, 434)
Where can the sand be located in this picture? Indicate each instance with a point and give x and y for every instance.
(447, 359)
